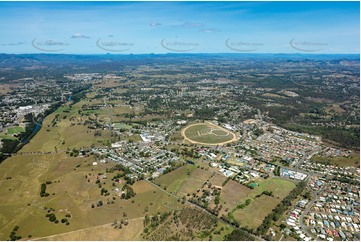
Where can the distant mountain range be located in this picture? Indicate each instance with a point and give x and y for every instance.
(11, 62)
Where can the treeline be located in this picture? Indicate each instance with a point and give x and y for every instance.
(281, 208)
(347, 180)
(43, 192)
(79, 93)
(277, 171)
(150, 223)
(173, 166)
(347, 138)
(239, 235)
(9, 145)
(13, 236)
(51, 109)
(245, 204)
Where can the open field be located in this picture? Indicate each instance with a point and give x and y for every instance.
(5, 88)
(353, 160)
(15, 130)
(195, 181)
(70, 192)
(110, 83)
(217, 179)
(63, 129)
(173, 181)
(103, 233)
(273, 95)
(94, 111)
(234, 194)
(253, 215)
(207, 134)
(122, 110)
(176, 136)
(188, 179)
(278, 186)
(122, 126)
(334, 108)
(5, 136)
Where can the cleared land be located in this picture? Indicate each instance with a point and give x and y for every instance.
(103, 232)
(175, 180)
(64, 129)
(122, 126)
(233, 194)
(4, 136)
(353, 160)
(188, 179)
(5, 88)
(208, 134)
(253, 215)
(278, 186)
(73, 190)
(273, 95)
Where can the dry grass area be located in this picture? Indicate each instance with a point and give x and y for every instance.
(272, 95)
(278, 186)
(67, 132)
(69, 193)
(187, 179)
(174, 181)
(188, 224)
(217, 179)
(110, 83)
(353, 160)
(103, 233)
(319, 100)
(5, 88)
(335, 109)
(253, 215)
(195, 181)
(233, 194)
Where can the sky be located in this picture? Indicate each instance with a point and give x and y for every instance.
(180, 27)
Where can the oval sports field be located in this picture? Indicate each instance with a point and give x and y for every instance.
(208, 134)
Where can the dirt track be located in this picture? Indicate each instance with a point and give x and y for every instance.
(234, 139)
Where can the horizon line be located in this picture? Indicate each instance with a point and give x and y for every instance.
(178, 53)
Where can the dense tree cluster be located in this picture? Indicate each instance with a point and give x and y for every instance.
(13, 236)
(239, 235)
(345, 137)
(43, 192)
(348, 180)
(128, 192)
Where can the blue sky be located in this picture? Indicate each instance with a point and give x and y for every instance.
(192, 27)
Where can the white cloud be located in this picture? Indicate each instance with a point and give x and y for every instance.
(189, 25)
(79, 36)
(208, 30)
(154, 24)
